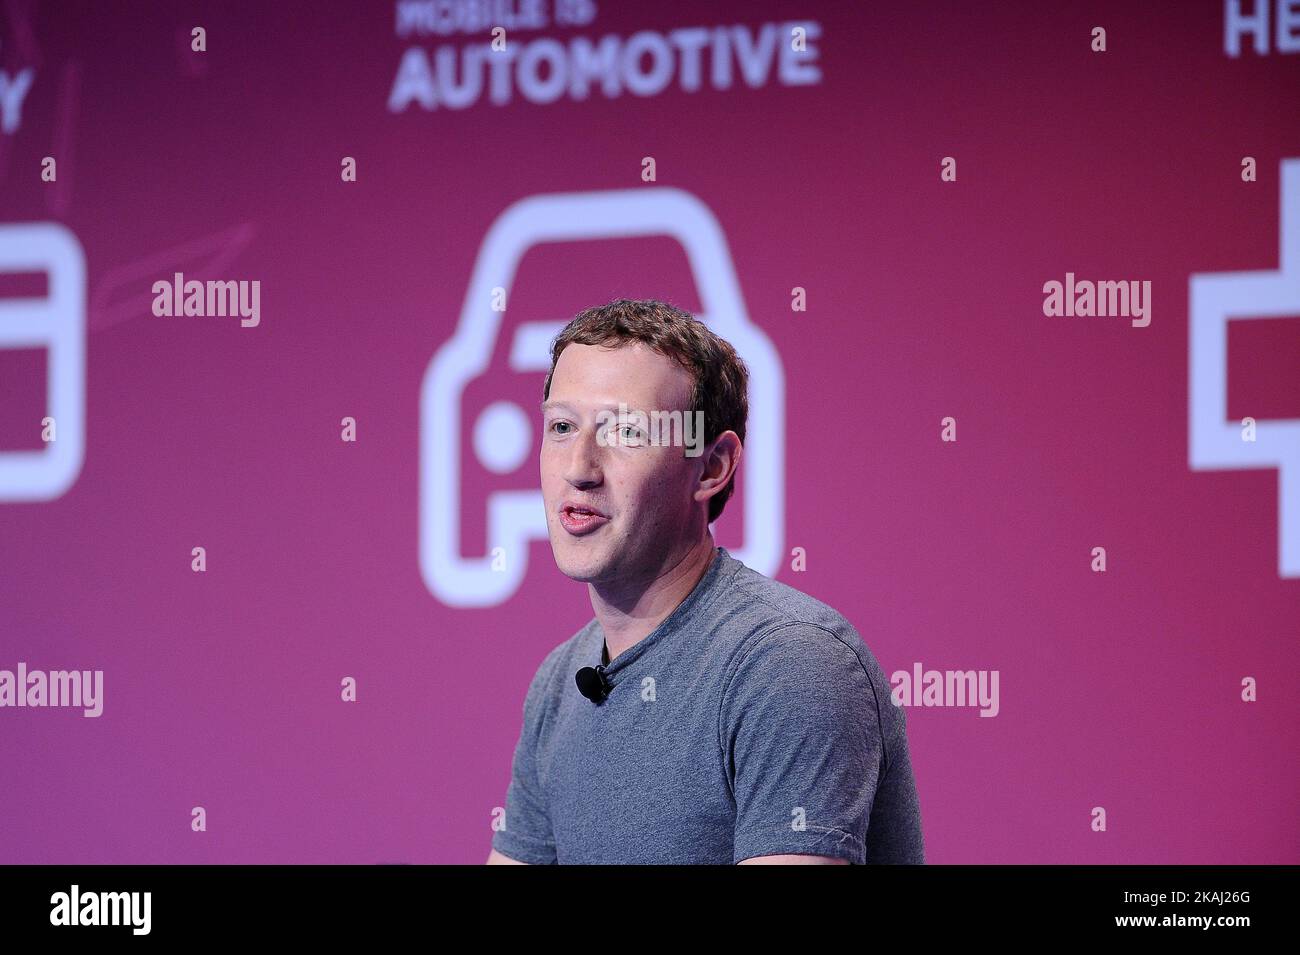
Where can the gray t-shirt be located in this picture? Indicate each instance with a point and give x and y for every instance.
(752, 721)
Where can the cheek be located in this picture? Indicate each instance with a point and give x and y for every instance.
(547, 467)
(661, 485)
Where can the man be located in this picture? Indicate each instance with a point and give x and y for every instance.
(707, 714)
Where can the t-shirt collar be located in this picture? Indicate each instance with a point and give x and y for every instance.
(722, 566)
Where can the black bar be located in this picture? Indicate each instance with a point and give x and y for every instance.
(245, 903)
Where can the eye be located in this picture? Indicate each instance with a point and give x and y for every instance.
(556, 424)
(633, 433)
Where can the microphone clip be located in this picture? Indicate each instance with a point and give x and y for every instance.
(592, 683)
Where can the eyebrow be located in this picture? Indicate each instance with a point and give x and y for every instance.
(549, 405)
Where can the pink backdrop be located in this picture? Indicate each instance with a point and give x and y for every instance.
(222, 689)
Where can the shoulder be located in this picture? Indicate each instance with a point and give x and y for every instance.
(785, 626)
(801, 662)
(795, 655)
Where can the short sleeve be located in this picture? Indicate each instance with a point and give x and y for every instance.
(800, 727)
(527, 835)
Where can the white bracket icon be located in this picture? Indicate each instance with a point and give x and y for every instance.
(1213, 442)
(56, 322)
(516, 517)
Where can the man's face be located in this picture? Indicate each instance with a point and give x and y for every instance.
(643, 490)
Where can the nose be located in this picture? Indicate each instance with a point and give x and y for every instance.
(582, 469)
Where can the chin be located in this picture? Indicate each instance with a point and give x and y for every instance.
(582, 567)
(581, 572)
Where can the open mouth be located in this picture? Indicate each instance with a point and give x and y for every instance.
(578, 520)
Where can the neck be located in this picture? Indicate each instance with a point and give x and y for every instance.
(627, 618)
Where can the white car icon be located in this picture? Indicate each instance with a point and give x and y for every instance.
(516, 517)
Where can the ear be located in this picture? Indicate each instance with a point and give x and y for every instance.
(721, 458)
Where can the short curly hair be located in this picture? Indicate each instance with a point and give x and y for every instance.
(721, 380)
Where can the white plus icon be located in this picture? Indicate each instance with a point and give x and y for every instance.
(1213, 442)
